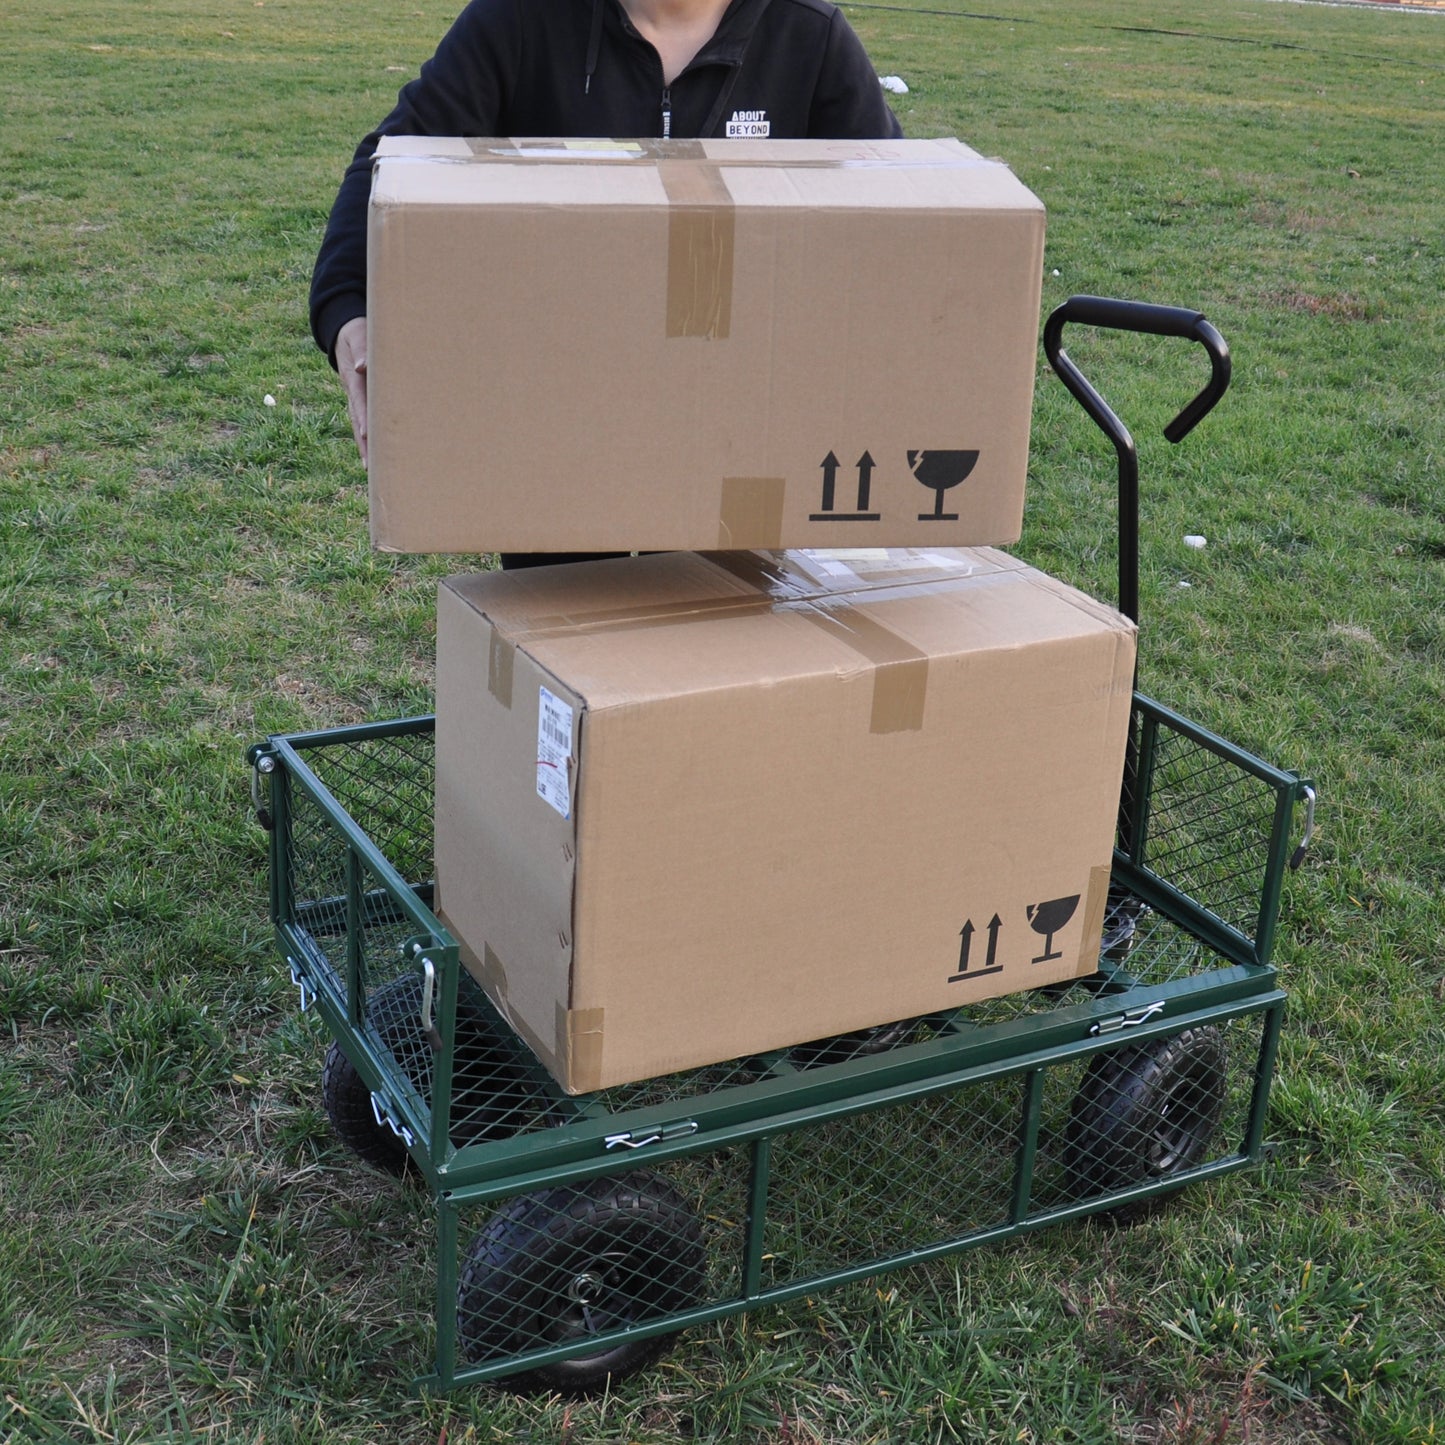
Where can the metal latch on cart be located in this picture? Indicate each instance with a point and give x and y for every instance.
(264, 764)
(1129, 1020)
(308, 989)
(1298, 856)
(641, 1138)
(428, 1002)
(385, 1119)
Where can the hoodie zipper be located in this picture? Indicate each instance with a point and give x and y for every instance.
(667, 112)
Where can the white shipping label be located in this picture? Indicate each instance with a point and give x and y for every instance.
(554, 751)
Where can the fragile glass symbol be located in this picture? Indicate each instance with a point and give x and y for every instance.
(939, 471)
(1048, 918)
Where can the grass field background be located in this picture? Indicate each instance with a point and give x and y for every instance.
(185, 1254)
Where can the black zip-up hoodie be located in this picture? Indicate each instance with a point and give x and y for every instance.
(580, 68)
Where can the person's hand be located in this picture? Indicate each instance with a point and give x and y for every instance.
(351, 367)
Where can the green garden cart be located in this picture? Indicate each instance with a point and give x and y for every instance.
(575, 1235)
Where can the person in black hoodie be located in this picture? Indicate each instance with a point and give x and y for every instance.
(784, 69)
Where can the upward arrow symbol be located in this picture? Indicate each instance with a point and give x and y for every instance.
(966, 933)
(830, 480)
(865, 480)
(994, 924)
(965, 949)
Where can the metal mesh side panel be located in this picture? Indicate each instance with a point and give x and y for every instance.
(316, 862)
(387, 785)
(340, 904)
(881, 1184)
(1207, 824)
(937, 1171)
(393, 1018)
(677, 1088)
(801, 1058)
(498, 1088)
(562, 1265)
(1135, 1113)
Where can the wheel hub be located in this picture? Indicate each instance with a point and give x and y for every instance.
(586, 1288)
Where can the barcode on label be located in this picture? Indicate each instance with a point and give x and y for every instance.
(554, 751)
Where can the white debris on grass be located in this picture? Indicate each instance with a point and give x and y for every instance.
(268, 400)
(1196, 541)
(893, 84)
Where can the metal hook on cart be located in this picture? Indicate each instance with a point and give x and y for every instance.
(307, 988)
(261, 763)
(428, 998)
(385, 1119)
(1298, 856)
(1131, 1020)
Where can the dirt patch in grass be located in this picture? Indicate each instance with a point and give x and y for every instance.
(1341, 306)
(1353, 633)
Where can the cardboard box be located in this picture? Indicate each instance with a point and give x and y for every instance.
(691, 808)
(612, 346)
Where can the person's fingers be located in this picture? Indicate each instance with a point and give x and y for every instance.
(356, 409)
(351, 367)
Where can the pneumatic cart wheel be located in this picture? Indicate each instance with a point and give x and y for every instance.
(1143, 1113)
(346, 1097)
(560, 1265)
(492, 1096)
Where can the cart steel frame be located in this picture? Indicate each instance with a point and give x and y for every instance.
(764, 1179)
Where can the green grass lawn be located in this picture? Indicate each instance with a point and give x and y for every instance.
(185, 1253)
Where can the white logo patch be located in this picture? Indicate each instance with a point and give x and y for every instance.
(749, 124)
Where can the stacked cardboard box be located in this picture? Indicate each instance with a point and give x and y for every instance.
(654, 345)
(697, 805)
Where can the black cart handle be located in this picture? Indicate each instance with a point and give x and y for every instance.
(1152, 321)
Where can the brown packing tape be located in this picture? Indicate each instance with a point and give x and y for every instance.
(751, 512)
(1095, 907)
(501, 663)
(700, 246)
(579, 1044)
(900, 670)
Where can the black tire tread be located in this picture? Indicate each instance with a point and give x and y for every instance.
(531, 1225)
(347, 1100)
(1107, 1124)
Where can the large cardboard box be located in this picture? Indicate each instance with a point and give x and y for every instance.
(691, 808)
(611, 346)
